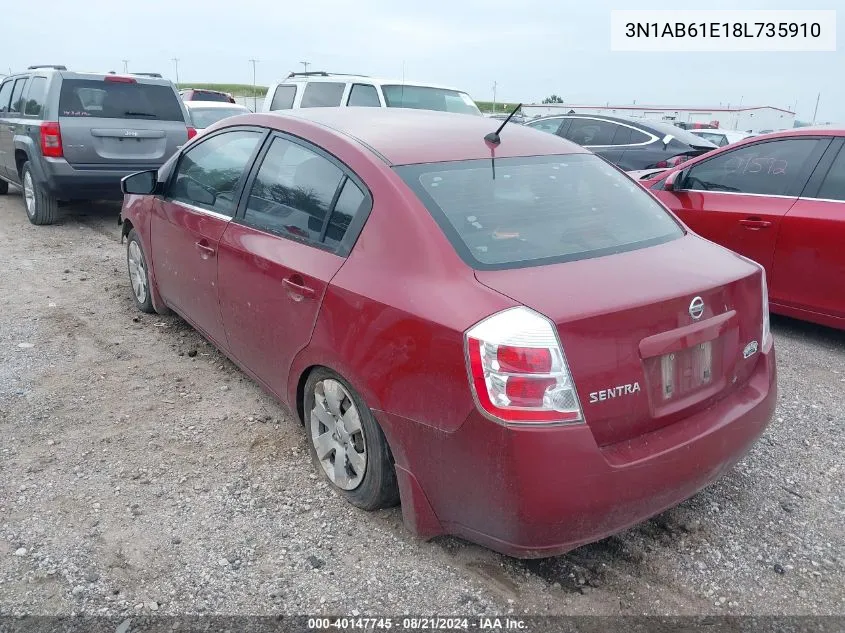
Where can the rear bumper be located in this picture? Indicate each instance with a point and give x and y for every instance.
(84, 182)
(536, 492)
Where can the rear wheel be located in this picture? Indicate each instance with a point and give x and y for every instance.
(347, 444)
(138, 276)
(41, 207)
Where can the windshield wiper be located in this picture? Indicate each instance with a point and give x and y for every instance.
(131, 113)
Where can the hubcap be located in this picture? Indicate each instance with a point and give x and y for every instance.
(337, 435)
(137, 271)
(29, 193)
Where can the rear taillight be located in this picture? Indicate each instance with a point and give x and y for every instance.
(767, 329)
(51, 140)
(192, 132)
(518, 371)
(673, 162)
(117, 79)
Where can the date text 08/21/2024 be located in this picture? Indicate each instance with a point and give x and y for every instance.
(481, 623)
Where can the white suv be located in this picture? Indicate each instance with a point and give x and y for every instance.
(322, 89)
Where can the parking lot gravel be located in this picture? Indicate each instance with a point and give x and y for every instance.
(141, 472)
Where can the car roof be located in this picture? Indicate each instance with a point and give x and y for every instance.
(376, 81)
(405, 136)
(215, 104)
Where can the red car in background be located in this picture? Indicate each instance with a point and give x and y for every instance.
(778, 199)
(505, 333)
(202, 94)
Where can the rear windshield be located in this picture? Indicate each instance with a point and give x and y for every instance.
(538, 210)
(204, 95)
(204, 117)
(118, 100)
(426, 98)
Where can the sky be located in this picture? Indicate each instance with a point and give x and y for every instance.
(529, 48)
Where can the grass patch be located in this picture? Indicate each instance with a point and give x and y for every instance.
(487, 106)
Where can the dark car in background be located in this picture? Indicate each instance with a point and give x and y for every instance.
(630, 144)
(68, 135)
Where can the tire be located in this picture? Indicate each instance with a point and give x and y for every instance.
(376, 486)
(4, 187)
(139, 276)
(41, 207)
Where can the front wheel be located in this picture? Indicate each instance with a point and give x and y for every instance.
(347, 444)
(138, 276)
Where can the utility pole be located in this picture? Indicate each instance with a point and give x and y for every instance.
(176, 61)
(254, 95)
(305, 65)
(816, 111)
(494, 96)
(125, 65)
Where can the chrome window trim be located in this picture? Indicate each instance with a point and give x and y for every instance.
(592, 118)
(821, 199)
(740, 193)
(190, 207)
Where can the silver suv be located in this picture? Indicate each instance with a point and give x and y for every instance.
(321, 89)
(72, 136)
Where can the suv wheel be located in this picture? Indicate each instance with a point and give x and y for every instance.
(41, 207)
(4, 187)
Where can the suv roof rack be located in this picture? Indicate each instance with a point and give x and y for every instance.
(157, 75)
(323, 73)
(53, 66)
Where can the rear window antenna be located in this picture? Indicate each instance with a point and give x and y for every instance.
(493, 137)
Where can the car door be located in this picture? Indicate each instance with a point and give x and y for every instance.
(12, 122)
(809, 260)
(187, 222)
(738, 198)
(6, 144)
(296, 224)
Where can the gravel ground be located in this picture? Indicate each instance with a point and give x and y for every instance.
(142, 472)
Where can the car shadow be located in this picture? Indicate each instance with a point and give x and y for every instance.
(805, 331)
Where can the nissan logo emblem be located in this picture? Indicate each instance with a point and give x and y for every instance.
(696, 308)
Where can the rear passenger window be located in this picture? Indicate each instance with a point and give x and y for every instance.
(283, 98)
(17, 95)
(35, 97)
(363, 95)
(293, 192)
(209, 174)
(5, 95)
(322, 94)
(622, 136)
(833, 187)
(348, 205)
(638, 137)
(768, 168)
(591, 132)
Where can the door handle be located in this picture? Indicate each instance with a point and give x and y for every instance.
(755, 224)
(205, 250)
(297, 286)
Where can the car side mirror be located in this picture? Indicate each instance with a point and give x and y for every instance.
(674, 181)
(142, 183)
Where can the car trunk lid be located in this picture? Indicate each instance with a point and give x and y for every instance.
(638, 357)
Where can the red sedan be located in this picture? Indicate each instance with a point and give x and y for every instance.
(506, 334)
(778, 199)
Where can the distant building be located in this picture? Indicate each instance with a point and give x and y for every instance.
(746, 118)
